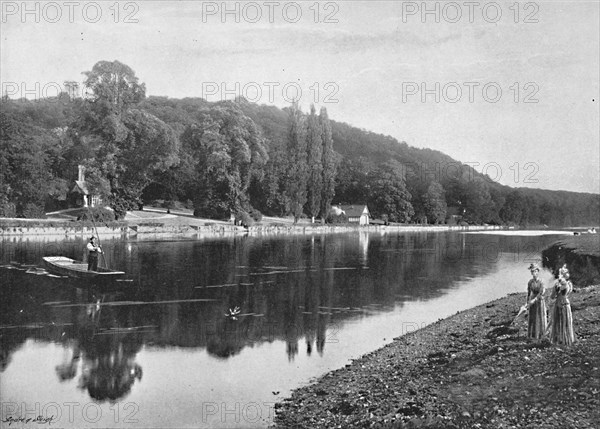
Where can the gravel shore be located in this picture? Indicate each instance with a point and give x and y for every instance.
(472, 370)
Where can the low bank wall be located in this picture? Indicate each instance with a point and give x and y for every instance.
(320, 229)
(66, 230)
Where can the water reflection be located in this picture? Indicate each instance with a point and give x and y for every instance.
(104, 352)
(294, 290)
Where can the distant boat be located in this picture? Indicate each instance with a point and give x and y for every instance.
(64, 266)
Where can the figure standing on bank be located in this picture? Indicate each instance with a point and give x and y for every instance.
(536, 326)
(562, 319)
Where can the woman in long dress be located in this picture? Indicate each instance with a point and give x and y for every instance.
(562, 319)
(536, 326)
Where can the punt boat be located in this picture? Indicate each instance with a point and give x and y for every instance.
(64, 266)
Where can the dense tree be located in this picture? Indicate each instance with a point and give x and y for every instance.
(314, 144)
(353, 182)
(271, 196)
(7, 206)
(150, 146)
(477, 202)
(418, 189)
(229, 152)
(435, 203)
(123, 144)
(513, 209)
(114, 88)
(297, 172)
(498, 200)
(389, 195)
(27, 155)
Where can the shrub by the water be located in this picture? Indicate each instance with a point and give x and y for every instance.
(98, 214)
(7, 209)
(333, 218)
(244, 219)
(218, 212)
(33, 211)
(256, 215)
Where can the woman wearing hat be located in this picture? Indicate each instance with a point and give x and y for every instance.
(536, 326)
(93, 251)
(562, 319)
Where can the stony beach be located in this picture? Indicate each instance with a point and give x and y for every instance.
(475, 369)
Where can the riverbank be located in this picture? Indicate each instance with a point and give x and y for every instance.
(472, 370)
(157, 224)
(581, 253)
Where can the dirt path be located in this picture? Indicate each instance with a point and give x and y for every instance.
(472, 370)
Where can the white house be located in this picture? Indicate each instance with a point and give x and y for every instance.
(356, 214)
(80, 191)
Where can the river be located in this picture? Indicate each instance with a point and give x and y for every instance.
(161, 348)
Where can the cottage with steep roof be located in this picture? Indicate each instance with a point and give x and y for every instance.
(80, 195)
(357, 214)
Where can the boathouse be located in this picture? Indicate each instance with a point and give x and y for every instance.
(357, 214)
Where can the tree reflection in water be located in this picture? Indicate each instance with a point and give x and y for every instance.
(106, 355)
(109, 372)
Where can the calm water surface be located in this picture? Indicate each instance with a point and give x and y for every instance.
(157, 350)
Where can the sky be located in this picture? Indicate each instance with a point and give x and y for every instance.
(512, 88)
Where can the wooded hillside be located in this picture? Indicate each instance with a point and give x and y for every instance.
(242, 157)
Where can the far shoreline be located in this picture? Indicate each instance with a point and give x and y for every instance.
(187, 227)
(157, 223)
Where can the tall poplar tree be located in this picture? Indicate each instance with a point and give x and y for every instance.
(329, 165)
(297, 174)
(314, 145)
